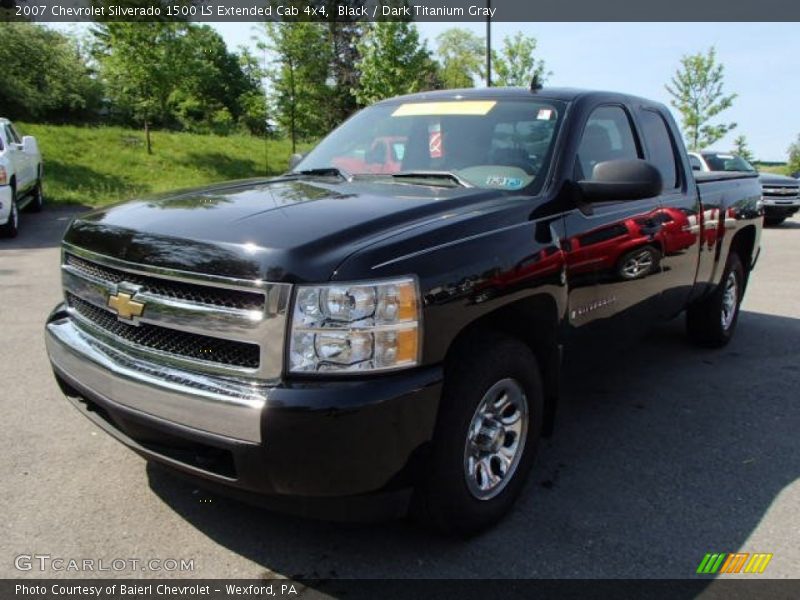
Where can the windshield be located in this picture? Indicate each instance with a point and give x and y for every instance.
(728, 162)
(497, 144)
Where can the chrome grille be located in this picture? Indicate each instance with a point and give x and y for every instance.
(781, 192)
(170, 289)
(190, 321)
(170, 341)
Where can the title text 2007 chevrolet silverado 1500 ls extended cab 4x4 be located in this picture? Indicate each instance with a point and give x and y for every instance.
(324, 339)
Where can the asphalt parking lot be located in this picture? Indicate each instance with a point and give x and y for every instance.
(664, 453)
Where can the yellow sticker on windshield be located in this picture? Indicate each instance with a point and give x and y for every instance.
(421, 109)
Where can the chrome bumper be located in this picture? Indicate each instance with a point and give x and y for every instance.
(207, 403)
(781, 202)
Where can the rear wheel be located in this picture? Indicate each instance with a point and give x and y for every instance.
(11, 227)
(37, 197)
(488, 429)
(712, 321)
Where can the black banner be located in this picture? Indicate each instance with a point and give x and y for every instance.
(396, 589)
(395, 10)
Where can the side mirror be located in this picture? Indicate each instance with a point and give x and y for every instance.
(697, 168)
(29, 145)
(294, 160)
(622, 180)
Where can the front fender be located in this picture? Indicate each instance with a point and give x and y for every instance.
(469, 267)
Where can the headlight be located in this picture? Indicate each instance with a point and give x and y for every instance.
(365, 326)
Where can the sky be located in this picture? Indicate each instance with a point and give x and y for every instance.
(639, 58)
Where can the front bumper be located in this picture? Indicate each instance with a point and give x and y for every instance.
(778, 207)
(299, 444)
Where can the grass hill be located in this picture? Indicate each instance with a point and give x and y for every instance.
(100, 165)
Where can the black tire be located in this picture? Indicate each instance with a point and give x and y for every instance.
(773, 221)
(11, 227)
(707, 322)
(444, 500)
(638, 263)
(36, 203)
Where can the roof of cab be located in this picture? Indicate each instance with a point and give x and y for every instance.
(496, 93)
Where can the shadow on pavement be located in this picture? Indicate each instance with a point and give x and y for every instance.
(663, 452)
(44, 229)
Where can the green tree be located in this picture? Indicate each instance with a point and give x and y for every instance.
(697, 91)
(44, 75)
(794, 156)
(209, 94)
(253, 103)
(460, 54)
(343, 37)
(742, 148)
(299, 77)
(393, 62)
(516, 64)
(141, 64)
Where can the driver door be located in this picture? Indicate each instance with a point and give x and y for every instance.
(612, 248)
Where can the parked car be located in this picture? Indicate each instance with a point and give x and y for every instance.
(781, 194)
(20, 177)
(355, 344)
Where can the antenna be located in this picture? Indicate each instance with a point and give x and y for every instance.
(536, 84)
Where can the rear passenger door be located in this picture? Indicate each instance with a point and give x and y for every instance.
(679, 214)
(613, 257)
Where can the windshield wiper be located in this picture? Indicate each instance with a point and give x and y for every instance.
(448, 175)
(324, 172)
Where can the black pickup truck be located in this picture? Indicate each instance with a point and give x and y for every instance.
(382, 328)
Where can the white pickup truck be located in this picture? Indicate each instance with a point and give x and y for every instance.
(20, 177)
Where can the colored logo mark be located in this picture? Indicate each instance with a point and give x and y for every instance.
(734, 562)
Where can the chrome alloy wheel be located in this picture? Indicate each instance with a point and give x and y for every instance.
(730, 298)
(496, 439)
(638, 264)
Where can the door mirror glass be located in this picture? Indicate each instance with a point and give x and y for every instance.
(624, 179)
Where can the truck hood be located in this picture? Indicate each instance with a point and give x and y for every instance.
(284, 229)
(773, 179)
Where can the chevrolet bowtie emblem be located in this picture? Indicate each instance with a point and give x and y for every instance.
(125, 305)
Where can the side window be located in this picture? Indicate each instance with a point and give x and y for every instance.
(12, 135)
(695, 163)
(660, 147)
(607, 136)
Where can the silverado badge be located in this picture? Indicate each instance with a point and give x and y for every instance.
(125, 306)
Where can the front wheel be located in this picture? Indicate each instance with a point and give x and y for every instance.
(11, 227)
(712, 321)
(487, 433)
